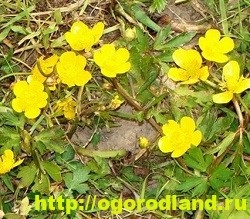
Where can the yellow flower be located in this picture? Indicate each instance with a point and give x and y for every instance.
(178, 138)
(111, 61)
(30, 98)
(130, 34)
(81, 37)
(7, 162)
(70, 69)
(115, 102)
(190, 70)
(232, 83)
(43, 69)
(213, 48)
(66, 107)
(143, 142)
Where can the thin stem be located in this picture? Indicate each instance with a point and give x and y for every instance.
(243, 104)
(240, 116)
(135, 104)
(13, 74)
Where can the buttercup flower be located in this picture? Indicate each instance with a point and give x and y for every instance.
(213, 48)
(30, 98)
(70, 69)
(143, 142)
(232, 83)
(190, 70)
(7, 161)
(66, 107)
(42, 71)
(81, 37)
(115, 102)
(111, 61)
(178, 138)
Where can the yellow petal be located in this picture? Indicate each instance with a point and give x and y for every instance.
(18, 162)
(165, 144)
(203, 73)
(187, 59)
(223, 97)
(212, 35)
(83, 78)
(122, 55)
(187, 124)
(170, 127)
(231, 74)
(178, 74)
(226, 44)
(123, 68)
(98, 58)
(36, 86)
(106, 72)
(70, 114)
(78, 27)
(216, 57)
(196, 138)
(97, 31)
(18, 105)
(20, 87)
(8, 155)
(108, 50)
(32, 113)
(179, 152)
(242, 85)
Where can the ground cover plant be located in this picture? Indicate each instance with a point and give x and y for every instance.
(94, 65)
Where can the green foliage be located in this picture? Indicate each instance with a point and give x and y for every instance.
(158, 5)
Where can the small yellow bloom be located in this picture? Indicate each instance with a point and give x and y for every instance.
(66, 107)
(178, 138)
(115, 102)
(7, 161)
(111, 61)
(232, 83)
(30, 98)
(143, 142)
(70, 69)
(190, 63)
(81, 37)
(130, 34)
(43, 69)
(213, 48)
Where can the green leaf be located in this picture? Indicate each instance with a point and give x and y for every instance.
(200, 189)
(7, 181)
(13, 216)
(142, 17)
(180, 39)
(51, 138)
(53, 170)
(58, 16)
(10, 139)
(42, 184)
(191, 183)
(11, 119)
(76, 180)
(19, 29)
(196, 160)
(4, 34)
(225, 143)
(143, 40)
(220, 177)
(161, 37)
(158, 5)
(27, 175)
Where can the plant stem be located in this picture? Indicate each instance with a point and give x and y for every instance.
(135, 104)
